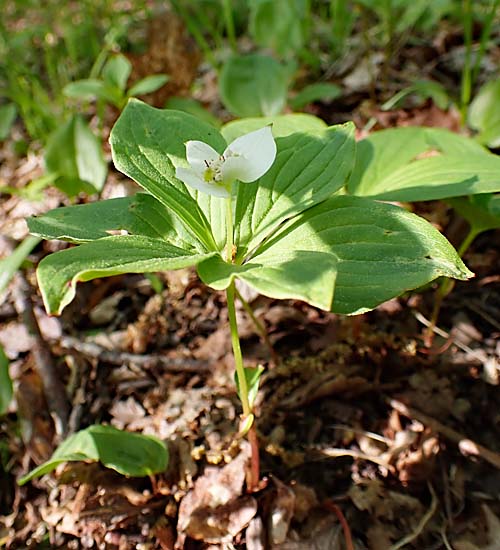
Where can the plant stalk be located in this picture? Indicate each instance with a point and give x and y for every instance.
(445, 288)
(254, 473)
(261, 329)
(466, 85)
(238, 358)
(231, 310)
(229, 22)
(485, 36)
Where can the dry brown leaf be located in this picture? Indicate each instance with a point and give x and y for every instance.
(281, 511)
(212, 509)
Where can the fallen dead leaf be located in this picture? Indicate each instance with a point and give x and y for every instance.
(281, 511)
(213, 510)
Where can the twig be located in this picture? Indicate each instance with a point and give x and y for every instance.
(170, 364)
(446, 335)
(336, 453)
(55, 392)
(466, 445)
(371, 435)
(421, 524)
(345, 526)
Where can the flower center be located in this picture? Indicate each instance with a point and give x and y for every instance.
(213, 170)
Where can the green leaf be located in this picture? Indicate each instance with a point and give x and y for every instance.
(128, 453)
(296, 274)
(8, 114)
(195, 108)
(74, 153)
(423, 88)
(253, 85)
(481, 211)
(5, 383)
(365, 253)
(58, 273)
(283, 125)
(307, 170)
(148, 143)
(10, 264)
(148, 85)
(141, 214)
(279, 24)
(320, 91)
(91, 88)
(401, 165)
(252, 376)
(116, 71)
(484, 114)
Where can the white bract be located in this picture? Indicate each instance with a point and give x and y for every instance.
(246, 159)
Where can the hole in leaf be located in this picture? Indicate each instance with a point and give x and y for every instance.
(117, 232)
(428, 154)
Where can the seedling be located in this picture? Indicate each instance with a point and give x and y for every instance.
(288, 234)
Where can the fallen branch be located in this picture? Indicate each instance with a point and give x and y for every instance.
(170, 364)
(53, 387)
(466, 445)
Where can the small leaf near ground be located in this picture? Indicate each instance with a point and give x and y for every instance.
(128, 453)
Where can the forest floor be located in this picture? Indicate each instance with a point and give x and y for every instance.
(363, 428)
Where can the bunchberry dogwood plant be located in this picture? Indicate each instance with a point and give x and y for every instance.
(269, 211)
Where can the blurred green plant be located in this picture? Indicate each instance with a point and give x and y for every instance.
(281, 25)
(10, 264)
(39, 58)
(254, 85)
(484, 114)
(112, 86)
(74, 158)
(8, 113)
(6, 390)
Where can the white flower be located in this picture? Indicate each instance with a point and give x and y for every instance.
(246, 159)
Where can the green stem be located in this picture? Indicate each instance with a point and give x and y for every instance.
(229, 230)
(231, 311)
(261, 329)
(485, 36)
(238, 358)
(228, 17)
(194, 29)
(466, 85)
(447, 285)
